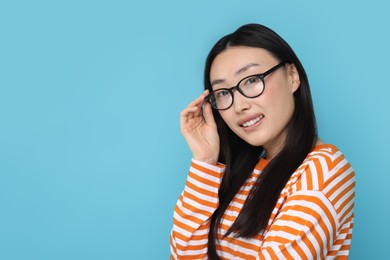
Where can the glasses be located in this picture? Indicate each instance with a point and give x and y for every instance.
(250, 87)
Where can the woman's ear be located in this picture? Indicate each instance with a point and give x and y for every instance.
(293, 77)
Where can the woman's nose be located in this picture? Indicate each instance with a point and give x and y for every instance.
(241, 103)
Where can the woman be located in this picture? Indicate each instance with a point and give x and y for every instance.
(261, 184)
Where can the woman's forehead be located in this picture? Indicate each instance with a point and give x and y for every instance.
(235, 60)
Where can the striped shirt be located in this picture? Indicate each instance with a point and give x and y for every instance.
(313, 217)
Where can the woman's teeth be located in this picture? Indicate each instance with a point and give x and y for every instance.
(252, 122)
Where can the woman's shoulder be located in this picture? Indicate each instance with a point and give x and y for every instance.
(324, 164)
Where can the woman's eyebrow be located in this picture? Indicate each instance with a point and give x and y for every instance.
(238, 72)
(245, 68)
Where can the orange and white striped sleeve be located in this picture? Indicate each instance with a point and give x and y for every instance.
(315, 221)
(194, 209)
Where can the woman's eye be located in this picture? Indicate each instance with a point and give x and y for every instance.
(221, 93)
(252, 80)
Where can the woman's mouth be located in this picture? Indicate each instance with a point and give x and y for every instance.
(252, 121)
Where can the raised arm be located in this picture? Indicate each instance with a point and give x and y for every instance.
(193, 211)
(199, 199)
(200, 131)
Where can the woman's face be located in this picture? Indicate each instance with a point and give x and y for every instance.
(259, 121)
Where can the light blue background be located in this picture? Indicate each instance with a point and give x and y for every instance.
(91, 156)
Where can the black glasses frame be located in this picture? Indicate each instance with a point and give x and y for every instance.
(261, 76)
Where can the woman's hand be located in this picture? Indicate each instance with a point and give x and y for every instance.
(200, 133)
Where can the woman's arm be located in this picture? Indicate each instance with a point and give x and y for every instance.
(193, 211)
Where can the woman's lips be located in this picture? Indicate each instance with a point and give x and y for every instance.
(252, 121)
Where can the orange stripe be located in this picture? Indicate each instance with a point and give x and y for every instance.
(190, 247)
(345, 247)
(206, 170)
(309, 179)
(344, 204)
(310, 211)
(200, 201)
(184, 238)
(343, 193)
(202, 191)
(188, 217)
(183, 225)
(277, 239)
(203, 180)
(271, 252)
(310, 224)
(310, 246)
(229, 217)
(194, 209)
(235, 253)
(243, 192)
(341, 182)
(172, 246)
(320, 173)
(242, 243)
(337, 161)
(329, 161)
(192, 257)
(237, 200)
(285, 253)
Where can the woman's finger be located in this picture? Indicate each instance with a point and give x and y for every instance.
(208, 114)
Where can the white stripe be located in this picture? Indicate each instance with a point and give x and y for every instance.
(304, 182)
(192, 252)
(318, 209)
(181, 231)
(201, 195)
(246, 187)
(348, 215)
(226, 222)
(275, 246)
(336, 181)
(339, 253)
(266, 255)
(210, 166)
(235, 204)
(173, 245)
(314, 175)
(339, 179)
(191, 213)
(241, 197)
(231, 213)
(173, 252)
(197, 205)
(192, 242)
(297, 226)
(185, 221)
(292, 252)
(252, 241)
(310, 218)
(205, 175)
(202, 185)
(337, 167)
(346, 195)
(281, 233)
(240, 249)
(226, 255)
(257, 172)
(201, 232)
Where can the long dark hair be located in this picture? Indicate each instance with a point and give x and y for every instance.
(240, 157)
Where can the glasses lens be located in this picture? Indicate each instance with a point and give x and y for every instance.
(252, 86)
(221, 99)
